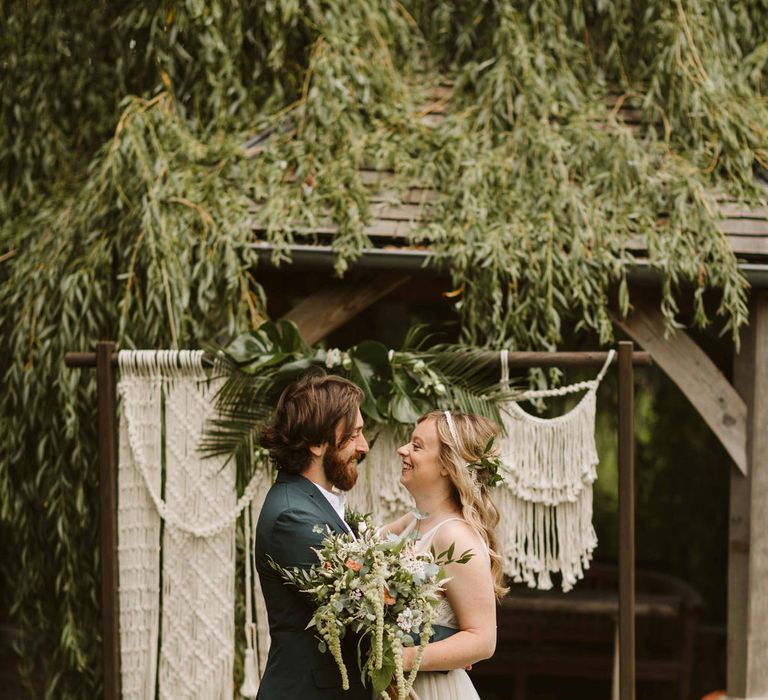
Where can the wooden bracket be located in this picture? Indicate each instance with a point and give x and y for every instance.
(688, 366)
(331, 307)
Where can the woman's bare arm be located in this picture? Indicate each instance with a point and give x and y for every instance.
(471, 595)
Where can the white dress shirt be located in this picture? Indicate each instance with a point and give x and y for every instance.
(338, 500)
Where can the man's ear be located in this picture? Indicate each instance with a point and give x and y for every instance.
(318, 450)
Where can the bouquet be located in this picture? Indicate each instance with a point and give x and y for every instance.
(379, 588)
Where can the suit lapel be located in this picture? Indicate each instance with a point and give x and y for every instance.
(309, 489)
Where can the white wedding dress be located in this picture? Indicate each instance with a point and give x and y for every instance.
(437, 685)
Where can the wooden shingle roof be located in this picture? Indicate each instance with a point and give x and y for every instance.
(397, 213)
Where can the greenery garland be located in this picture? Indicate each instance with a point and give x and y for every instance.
(130, 217)
(398, 387)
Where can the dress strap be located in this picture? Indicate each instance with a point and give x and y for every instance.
(431, 532)
(408, 528)
(429, 535)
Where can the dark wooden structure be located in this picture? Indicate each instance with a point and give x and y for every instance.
(547, 633)
(105, 360)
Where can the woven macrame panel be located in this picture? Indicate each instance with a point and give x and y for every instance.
(197, 653)
(139, 540)
(545, 500)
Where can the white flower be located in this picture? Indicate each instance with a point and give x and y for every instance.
(333, 358)
(409, 621)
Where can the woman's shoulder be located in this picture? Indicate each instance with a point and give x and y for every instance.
(459, 533)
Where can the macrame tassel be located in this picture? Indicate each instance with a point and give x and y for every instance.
(262, 638)
(250, 686)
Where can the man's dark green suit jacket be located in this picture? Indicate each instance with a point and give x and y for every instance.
(295, 666)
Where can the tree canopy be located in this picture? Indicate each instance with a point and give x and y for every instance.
(128, 195)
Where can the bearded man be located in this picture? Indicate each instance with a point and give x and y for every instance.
(315, 441)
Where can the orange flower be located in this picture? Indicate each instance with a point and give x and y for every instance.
(352, 564)
(388, 599)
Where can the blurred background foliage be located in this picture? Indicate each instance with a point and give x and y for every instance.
(139, 141)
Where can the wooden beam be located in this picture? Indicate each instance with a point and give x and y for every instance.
(331, 307)
(688, 366)
(748, 520)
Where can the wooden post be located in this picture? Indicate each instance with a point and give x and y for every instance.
(748, 519)
(105, 389)
(626, 523)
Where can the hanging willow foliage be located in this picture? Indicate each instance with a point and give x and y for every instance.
(127, 198)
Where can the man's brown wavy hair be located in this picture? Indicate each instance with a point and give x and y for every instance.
(308, 413)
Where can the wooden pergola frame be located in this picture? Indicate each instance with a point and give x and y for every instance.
(105, 362)
(737, 413)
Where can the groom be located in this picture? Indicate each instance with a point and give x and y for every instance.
(315, 441)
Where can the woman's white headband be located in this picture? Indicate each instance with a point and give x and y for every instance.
(452, 427)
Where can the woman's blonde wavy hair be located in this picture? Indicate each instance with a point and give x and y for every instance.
(469, 487)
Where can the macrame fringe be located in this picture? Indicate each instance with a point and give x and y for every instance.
(545, 500)
(197, 653)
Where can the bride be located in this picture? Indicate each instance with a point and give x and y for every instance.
(443, 472)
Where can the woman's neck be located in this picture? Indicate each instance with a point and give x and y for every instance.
(435, 507)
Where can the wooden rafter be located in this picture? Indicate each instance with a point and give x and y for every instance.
(331, 307)
(688, 366)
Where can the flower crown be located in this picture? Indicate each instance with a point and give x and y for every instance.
(488, 463)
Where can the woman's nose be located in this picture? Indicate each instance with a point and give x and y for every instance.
(403, 450)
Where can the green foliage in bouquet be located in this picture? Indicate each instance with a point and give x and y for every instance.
(381, 590)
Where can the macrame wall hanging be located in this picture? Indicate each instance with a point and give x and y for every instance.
(187, 609)
(545, 500)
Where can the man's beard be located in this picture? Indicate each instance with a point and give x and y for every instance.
(342, 473)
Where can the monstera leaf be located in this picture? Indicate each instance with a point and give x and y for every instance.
(370, 370)
(274, 343)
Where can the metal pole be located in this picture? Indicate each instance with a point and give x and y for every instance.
(516, 359)
(107, 411)
(626, 523)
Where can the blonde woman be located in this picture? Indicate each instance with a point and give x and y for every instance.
(443, 470)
